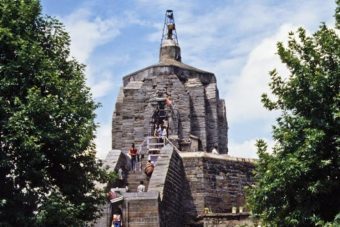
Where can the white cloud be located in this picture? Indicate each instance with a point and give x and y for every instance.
(244, 93)
(218, 38)
(101, 88)
(100, 78)
(103, 140)
(247, 148)
(87, 33)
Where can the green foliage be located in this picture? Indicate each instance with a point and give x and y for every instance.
(58, 211)
(47, 157)
(299, 183)
(111, 179)
(334, 223)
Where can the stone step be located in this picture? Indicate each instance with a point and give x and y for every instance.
(154, 150)
(156, 144)
(134, 179)
(141, 165)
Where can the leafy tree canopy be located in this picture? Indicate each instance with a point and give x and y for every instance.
(47, 157)
(299, 183)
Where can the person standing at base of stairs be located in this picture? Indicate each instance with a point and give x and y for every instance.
(133, 153)
(214, 150)
(141, 187)
(116, 217)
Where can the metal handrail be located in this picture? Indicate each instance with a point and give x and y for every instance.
(141, 146)
(146, 142)
(176, 149)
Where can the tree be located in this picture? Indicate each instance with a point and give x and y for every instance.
(47, 157)
(298, 184)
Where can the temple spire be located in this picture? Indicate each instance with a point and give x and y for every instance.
(169, 28)
(169, 43)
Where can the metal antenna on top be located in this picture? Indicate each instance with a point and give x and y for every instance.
(169, 28)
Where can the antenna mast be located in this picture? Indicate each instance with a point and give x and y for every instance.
(169, 28)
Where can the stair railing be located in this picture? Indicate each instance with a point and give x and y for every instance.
(143, 151)
(143, 146)
(148, 144)
(168, 141)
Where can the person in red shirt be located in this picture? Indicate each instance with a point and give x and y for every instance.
(133, 153)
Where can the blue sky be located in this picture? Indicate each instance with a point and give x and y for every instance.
(234, 39)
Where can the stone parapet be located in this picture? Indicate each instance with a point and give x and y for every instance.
(168, 178)
(141, 209)
(105, 219)
(215, 182)
(116, 159)
(202, 154)
(226, 220)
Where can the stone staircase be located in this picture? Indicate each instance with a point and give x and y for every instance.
(152, 148)
(154, 145)
(134, 178)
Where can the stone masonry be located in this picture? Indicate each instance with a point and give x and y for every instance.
(215, 182)
(196, 107)
(189, 185)
(183, 185)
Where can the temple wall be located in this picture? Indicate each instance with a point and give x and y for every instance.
(141, 209)
(171, 205)
(211, 118)
(216, 182)
(189, 186)
(196, 108)
(189, 182)
(222, 127)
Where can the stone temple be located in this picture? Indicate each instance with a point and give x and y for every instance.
(189, 185)
(196, 113)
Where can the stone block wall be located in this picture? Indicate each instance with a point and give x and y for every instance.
(141, 209)
(105, 219)
(196, 108)
(114, 160)
(227, 220)
(215, 181)
(168, 178)
(222, 127)
(171, 205)
(212, 117)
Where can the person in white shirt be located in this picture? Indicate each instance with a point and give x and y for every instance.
(214, 150)
(159, 131)
(164, 133)
(141, 187)
(120, 174)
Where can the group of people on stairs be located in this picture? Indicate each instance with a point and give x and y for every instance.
(136, 158)
(160, 133)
